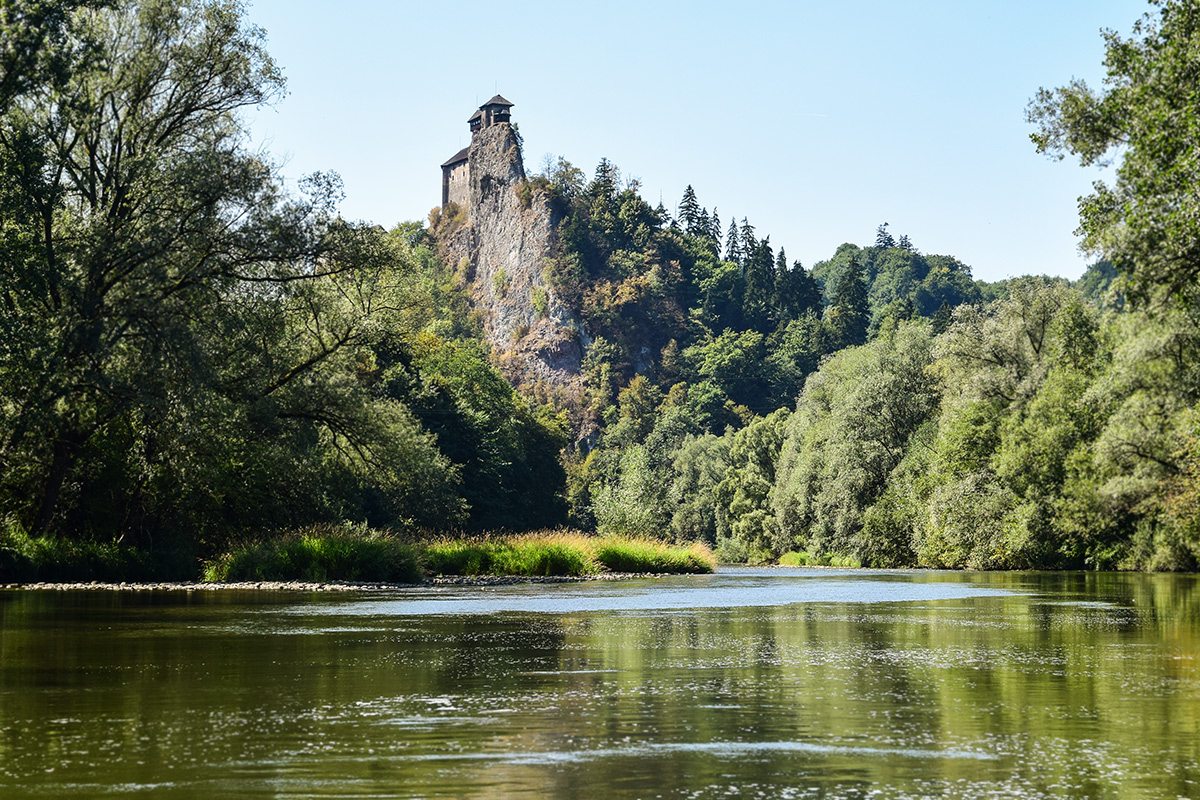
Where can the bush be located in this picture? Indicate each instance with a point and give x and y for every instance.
(25, 558)
(320, 553)
(539, 300)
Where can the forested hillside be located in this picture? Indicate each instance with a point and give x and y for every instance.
(190, 355)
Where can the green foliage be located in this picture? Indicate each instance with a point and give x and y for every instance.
(735, 362)
(539, 301)
(319, 553)
(187, 351)
(848, 314)
(698, 466)
(506, 449)
(632, 504)
(500, 282)
(853, 424)
(743, 496)
(25, 558)
(1147, 220)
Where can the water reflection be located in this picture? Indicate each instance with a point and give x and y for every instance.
(887, 685)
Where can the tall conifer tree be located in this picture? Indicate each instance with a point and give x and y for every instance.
(733, 243)
(689, 210)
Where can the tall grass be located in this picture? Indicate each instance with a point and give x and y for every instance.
(531, 554)
(25, 558)
(625, 554)
(561, 553)
(320, 553)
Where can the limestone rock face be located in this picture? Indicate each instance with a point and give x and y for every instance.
(502, 248)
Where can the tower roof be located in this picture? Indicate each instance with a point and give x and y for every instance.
(475, 116)
(497, 101)
(457, 158)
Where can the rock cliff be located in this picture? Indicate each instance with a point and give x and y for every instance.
(501, 244)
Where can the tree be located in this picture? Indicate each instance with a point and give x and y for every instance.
(746, 238)
(758, 268)
(733, 246)
(689, 210)
(1146, 221)
(848, 315)
(697, 467)
(186, 349)
(883, 239)
(734, 361)
(853, 426)
(40, 44)
(745, 521)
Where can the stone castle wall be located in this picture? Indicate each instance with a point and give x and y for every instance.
(458, 185)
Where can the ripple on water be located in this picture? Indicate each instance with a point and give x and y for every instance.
(716, 749)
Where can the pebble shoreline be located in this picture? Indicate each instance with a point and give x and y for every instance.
(325, 586)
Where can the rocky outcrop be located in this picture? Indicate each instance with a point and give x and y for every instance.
(502, 243)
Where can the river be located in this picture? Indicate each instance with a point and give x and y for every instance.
(789, 683)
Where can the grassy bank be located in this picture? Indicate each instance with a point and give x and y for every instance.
(561, 553)
(322, 553)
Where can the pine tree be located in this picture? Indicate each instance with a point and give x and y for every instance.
(781, 277)
(714, 229)
(661, 213)
(749, 243)
(797, 290)
(701, 225)
(759, 271)
(689, 209)
(805, 291)
(941, 319)
(883, 238)
(733, 243)
(604, 185)
(906, 244)
(849, 314)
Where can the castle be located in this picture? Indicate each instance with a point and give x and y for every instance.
(456, 170)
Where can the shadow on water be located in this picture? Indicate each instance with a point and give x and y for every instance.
(780, 683)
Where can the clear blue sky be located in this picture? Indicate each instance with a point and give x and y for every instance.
(817, 121)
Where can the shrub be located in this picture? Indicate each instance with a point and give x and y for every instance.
(320, 553)
(500, 282)
(539, 300)
(25, 558)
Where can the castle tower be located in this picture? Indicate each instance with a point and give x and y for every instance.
(456, 171)
(494, 111)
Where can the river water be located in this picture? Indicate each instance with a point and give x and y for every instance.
(787, 683)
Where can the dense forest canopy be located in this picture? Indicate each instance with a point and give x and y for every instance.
(190, 354)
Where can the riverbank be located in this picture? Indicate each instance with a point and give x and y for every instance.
(319, 586)
(351, 555)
